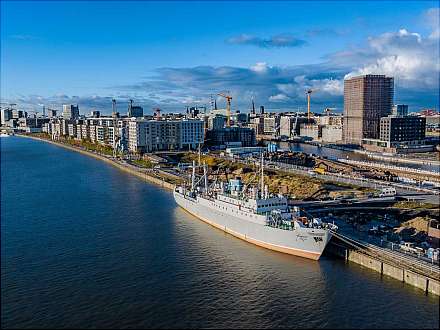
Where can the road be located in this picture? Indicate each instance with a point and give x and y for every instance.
(337, 202)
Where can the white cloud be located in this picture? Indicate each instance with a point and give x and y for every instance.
(260, 67)
(431, 17)
(331, 86)
(407, 56)
(278, 98)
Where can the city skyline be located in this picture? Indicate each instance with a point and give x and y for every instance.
(174, 55)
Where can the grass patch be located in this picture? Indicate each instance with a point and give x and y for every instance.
(143, 163)
(415, 205)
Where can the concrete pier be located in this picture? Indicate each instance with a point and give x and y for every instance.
(399, 273)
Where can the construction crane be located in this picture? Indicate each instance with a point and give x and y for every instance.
(309, 92)
(228, 107)
(113, 108)
(212, 102)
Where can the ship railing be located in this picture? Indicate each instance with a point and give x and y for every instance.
(277, 222)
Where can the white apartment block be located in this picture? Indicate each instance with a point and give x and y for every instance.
(105, 134)
(56, 130)
(71, 128)
(287, 126)
(154, 135)
(92, 133)
(47, 128)
(85, 131)
(79, 132)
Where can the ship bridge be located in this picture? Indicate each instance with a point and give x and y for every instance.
(271, 203)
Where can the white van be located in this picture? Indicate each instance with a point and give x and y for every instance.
(387, 192)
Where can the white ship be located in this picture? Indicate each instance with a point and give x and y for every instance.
(254, 215)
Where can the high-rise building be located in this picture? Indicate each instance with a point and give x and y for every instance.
(216, 122)
(16, 114)
(287, 126)
(134, 110)
(70, 111)
(400, 110)
(51, 113)
(366, 99)
(6, 114)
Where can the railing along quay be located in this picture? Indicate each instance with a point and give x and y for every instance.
(391, 257)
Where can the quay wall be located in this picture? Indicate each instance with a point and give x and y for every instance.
(394, 272)
(142, 175)
(417, 280)
(423, 282)
(434, 287)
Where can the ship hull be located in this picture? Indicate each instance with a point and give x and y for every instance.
(305, 242)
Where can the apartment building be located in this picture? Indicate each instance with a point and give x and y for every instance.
(155, 135)
(397, 130)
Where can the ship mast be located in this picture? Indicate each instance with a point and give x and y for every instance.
(193, 177)
(262, 176)
(205, 175)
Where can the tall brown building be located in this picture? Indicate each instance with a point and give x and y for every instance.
(366, 99)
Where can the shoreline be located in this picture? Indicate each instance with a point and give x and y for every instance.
(123, 167)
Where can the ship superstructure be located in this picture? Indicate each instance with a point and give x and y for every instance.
(253, 214)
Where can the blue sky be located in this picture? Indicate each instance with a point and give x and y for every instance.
(173, 54)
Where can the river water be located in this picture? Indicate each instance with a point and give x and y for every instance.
(86, 245)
